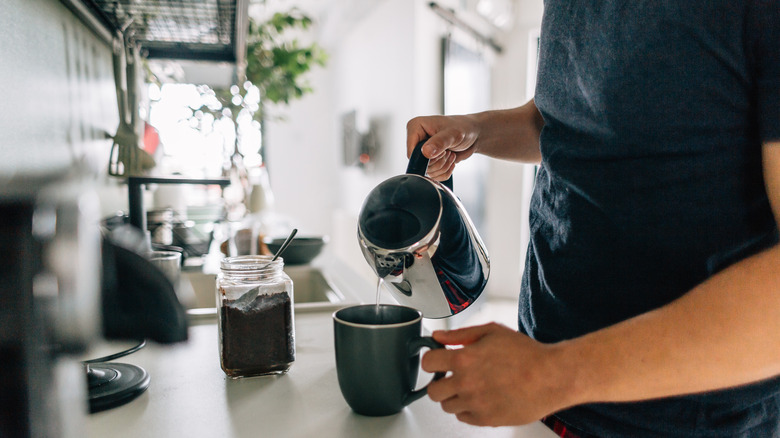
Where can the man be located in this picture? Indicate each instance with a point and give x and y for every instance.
(651, 293)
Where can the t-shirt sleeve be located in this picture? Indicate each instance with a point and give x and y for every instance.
(763, 30)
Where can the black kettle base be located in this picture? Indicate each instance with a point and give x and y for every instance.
(114, 384)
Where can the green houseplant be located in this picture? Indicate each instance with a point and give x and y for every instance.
(275, 72)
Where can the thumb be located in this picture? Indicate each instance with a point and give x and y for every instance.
(462, 336)
(432, 149)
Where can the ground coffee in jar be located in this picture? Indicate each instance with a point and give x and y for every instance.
(255, 311)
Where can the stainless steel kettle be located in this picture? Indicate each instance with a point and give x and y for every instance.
(416, 235)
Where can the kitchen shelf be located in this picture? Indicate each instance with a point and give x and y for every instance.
(203, 30)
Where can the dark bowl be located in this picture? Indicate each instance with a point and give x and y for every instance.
(302, 250)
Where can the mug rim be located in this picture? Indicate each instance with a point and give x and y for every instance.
(418, 318)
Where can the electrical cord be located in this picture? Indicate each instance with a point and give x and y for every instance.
(117, 355)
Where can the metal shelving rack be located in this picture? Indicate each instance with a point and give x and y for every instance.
(204, 30)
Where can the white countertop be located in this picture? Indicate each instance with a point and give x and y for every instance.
(190, 396)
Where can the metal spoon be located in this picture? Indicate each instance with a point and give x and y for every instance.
(284, 245)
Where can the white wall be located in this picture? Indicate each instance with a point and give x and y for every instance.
(510, 183)
(57, 83)
(387, 67)
(372, 70)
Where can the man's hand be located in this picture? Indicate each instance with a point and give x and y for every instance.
(450, 141)
(511, 134)
(500, 377)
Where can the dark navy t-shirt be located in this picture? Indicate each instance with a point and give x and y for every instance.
(651, 181)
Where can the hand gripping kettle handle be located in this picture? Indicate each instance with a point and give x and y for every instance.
(418, 164)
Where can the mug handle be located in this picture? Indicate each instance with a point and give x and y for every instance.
(415, 345)
(418, 164)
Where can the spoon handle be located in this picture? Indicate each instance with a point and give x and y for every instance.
(285, 244)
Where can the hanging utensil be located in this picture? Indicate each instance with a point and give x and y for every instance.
(127, 156)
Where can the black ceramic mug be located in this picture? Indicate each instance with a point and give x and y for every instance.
(378, 357)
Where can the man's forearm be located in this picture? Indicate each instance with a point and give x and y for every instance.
(511, 134)
(723, 333)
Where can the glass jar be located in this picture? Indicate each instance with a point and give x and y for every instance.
(255, 316)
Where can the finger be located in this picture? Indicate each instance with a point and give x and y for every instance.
(441, 165)
(437, 361)
(419, 129)
(469, 417)
(442, 389)
(463, 336)
(433, 149)
(454, 405)
(443, 174)
(436, 164)
(445, 140)
(414, 133)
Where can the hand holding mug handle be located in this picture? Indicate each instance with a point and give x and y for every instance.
(415, 345)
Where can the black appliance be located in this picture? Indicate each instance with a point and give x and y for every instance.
(63, 286)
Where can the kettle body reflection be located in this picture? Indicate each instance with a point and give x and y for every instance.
(416, 235)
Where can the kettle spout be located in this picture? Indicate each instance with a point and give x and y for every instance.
(390, 267)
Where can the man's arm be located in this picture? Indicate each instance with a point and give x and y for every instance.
(723, 333)
(514, 133)
(511, 134)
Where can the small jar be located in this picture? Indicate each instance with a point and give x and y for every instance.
(255, 316)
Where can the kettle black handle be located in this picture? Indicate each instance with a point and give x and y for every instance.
(418, 164)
